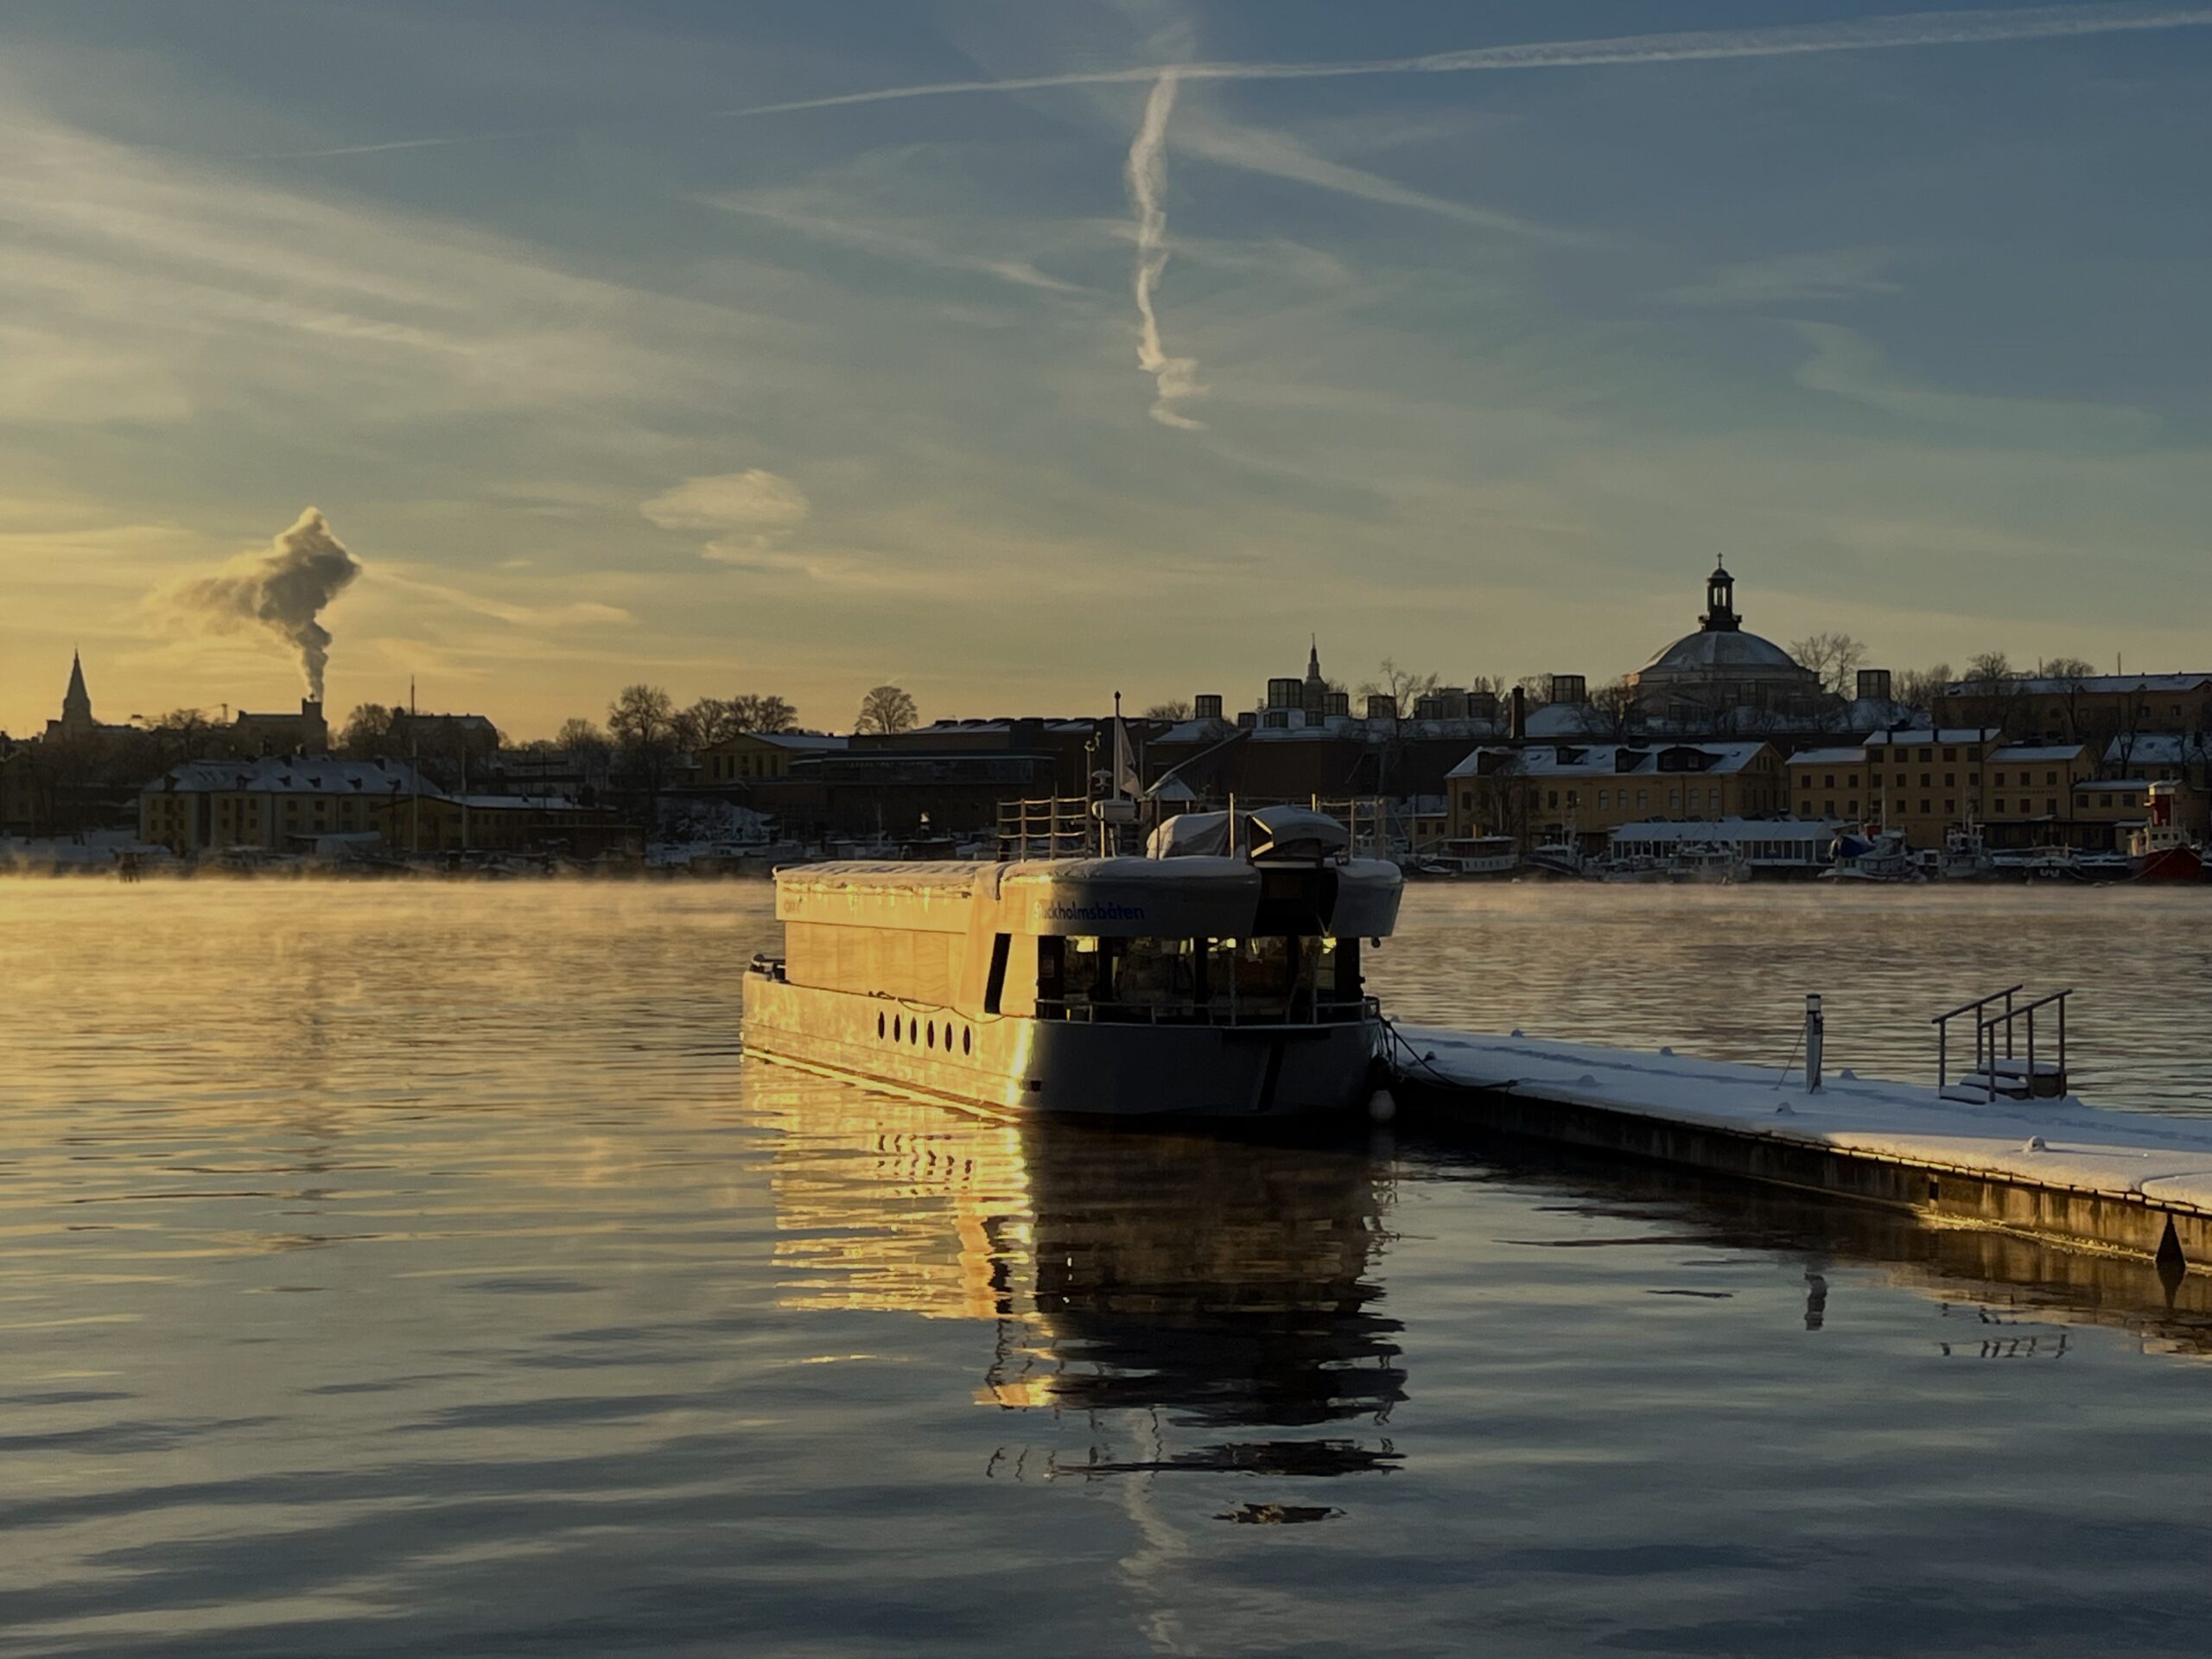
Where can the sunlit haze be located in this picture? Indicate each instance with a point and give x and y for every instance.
(1017, 353)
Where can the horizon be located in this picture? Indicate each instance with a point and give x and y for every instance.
(731, 356)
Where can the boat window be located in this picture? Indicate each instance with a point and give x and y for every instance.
(1052, 969)
(994, 989)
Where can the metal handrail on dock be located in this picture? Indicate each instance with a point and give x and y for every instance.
(1942, 1024)
(2007, 1023)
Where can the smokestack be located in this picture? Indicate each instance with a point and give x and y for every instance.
(283, 590)
(1517, 726)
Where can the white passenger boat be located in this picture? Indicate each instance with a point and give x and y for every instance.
(1199, 980)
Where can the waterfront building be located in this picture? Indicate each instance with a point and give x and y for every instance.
(1723, 672)
(442, 823)
(2094, 708)
(1926, 781)
(272, 803)
(750, 755)
(1583, 792)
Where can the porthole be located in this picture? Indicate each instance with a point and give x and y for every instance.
(967, 1040)
(879, 1025)
(913, 1035)
(932, 1034)
(896, 1031)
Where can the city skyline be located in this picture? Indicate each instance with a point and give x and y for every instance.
(1216, 327)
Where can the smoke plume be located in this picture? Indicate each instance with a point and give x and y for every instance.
(282, 590)
(1172, 376)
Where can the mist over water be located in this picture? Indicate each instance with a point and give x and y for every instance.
(405, 1269)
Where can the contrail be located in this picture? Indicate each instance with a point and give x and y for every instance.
(1173, 377)
(1866, 35)
(282, 590)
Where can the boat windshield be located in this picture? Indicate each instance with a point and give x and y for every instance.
(1296, 979)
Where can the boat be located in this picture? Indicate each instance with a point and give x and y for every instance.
(1218, 975)
(2161, 850)
(1964, 858)
(1557, 858)
(1880, 857)
(1710, 863)
(1471, 857)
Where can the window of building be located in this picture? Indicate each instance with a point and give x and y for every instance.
(1642, 798)
(1828, 807)
(1999, 781)
(1674, 800)
(1928, 755)
(1997, 806)
(1951, 755)
(2050, 808)
(1926, 779)
(1950, 780)
(2050, 780)
(1851, 807)
(1571, 800)
(1924, 809)
(1829, 782)
(1601, 800)
(1554, 797)
(2104, 800)
(1951, 808)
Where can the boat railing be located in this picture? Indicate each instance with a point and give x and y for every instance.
(1317, 1011)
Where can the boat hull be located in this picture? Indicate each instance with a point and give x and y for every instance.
(2170, 864)
(1060, 1067)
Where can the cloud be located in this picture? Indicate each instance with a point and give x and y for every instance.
(764, 504)
(585, 613)
(1173, 378)
(1844, 364)
(906, 241)
(1792, 278)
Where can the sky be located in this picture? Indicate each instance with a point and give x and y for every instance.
(1019, 354)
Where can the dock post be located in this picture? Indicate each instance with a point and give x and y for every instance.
(1815, 1034)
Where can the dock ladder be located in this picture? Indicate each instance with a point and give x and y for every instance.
(1999, 1032)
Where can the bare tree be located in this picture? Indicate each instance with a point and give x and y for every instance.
(641, 720)
(755, 712)
(1402, 685)
(1613, 710)
(1922, 688)
(1174, 708)
(705, 722)
(581, 736)
(1989, 672)
(2070, 677)
(367, 733)
(1836, 659)
(885, 709)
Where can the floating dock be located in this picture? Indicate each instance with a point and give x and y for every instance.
(2054, 1169)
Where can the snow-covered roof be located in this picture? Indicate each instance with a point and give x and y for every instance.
(293, 775)
(2018, 753)
(1828, 757)
(1607, 760)
(2160, 749)
(801, 739)
(2091, 785)
(2094, 684)
(1943, 735)
(517, 803)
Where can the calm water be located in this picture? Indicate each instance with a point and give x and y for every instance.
(423, 1270)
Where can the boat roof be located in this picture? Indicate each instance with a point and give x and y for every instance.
(1189, 897)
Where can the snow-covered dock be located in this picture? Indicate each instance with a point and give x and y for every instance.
(2052, 1168)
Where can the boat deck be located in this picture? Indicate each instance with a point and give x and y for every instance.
(2053, 1169)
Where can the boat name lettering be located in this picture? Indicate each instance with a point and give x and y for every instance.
(1103, 911)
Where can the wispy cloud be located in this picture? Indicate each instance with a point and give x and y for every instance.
(1792, 278)
(1173, 378)
(576, 613)
(910, 242)
(1844, 364)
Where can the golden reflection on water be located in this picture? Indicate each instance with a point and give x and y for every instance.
(1228, 1281)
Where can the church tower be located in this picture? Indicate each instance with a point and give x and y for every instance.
(76, 702)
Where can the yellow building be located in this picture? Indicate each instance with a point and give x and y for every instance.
(1928, 782)
(752, 755)
(1583, 792)
(503, 823)
(275, 803)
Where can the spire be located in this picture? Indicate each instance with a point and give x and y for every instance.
(1313, 657)
(77, 702)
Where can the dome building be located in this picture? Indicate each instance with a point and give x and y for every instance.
(1707, 676)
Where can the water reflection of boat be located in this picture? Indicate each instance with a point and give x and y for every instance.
(1223, 1287)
